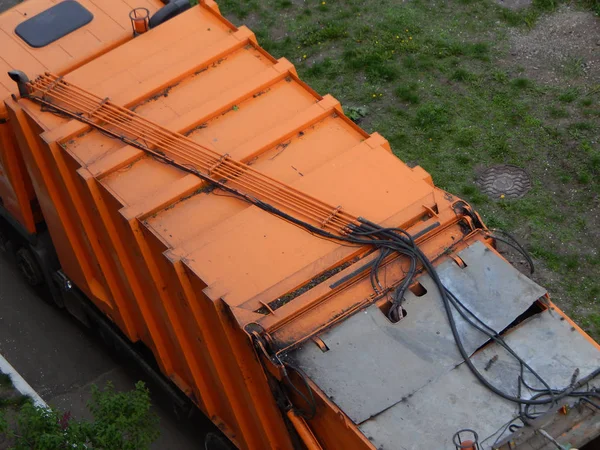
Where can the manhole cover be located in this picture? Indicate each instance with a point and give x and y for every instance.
(505, 181)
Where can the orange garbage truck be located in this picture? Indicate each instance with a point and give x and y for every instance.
(272, 264)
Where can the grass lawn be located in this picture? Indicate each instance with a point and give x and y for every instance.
(436, 78)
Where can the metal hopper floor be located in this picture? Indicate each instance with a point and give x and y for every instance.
(406, 385)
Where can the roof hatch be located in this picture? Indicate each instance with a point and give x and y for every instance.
(53, 23)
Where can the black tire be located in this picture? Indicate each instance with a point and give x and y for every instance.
(214, 441)
(29, 267)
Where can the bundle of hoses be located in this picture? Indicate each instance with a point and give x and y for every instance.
(389, 240)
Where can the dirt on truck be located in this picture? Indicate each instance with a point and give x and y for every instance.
(272, 264)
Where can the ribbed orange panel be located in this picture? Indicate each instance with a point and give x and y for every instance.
(16, 190)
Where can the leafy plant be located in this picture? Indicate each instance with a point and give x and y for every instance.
(355, 113)
(121, 421)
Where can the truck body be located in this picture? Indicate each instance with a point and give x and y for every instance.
(219, 213)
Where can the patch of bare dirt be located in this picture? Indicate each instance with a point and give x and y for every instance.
(564, 47)
(514, 4)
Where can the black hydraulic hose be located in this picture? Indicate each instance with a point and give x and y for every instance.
(171, 9)
(492, 334)
(310, 399)
(512, 242)
(395, 244)
(430, 269)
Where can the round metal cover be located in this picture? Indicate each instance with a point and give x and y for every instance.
(505, 181)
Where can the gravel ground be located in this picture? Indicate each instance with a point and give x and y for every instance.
(564, 47)
(514, 4)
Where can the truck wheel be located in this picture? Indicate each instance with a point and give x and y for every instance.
(29, 267)
(213, 441)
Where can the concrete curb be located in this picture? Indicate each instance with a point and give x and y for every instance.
(20, 384)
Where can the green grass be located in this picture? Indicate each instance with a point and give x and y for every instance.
(592, 322)
(585, 102)
(436, 83)
(521, 83)
(462, 75)
(557, 112)
(574, 67)
(569, 95)
(13, 402)
(408, 93)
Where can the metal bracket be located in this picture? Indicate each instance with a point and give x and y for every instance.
(217, 164)
(62, 281)
(331, 216)
(51, 86)
(97, 108)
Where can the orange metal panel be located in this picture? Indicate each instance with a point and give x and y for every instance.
(258, 420)
(120, 298)
(149, 326)
(51, 194)
(333, 428)
(16, 190)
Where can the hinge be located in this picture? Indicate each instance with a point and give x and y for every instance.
(271, 361)
(275, 367)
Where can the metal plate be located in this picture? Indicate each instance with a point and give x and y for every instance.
(372, 363)
(433, 414)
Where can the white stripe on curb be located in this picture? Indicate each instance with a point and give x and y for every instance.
(20, 384)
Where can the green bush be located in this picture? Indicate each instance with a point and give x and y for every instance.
(122, 421)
